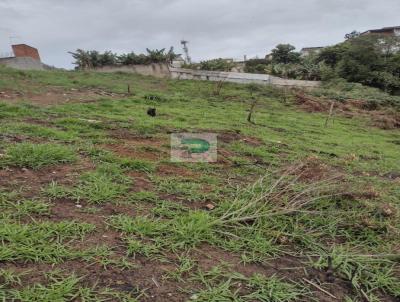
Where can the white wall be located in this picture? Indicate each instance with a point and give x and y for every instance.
(23, 63)
(165, 71)
(238, 77)
(155, 70)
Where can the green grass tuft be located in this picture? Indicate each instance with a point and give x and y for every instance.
(36, 156)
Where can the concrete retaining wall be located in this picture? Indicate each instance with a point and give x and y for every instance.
(155, 70)
(22, 63)
(165, 71)
(238, 77)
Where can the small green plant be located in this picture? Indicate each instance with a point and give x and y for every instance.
(9, 277)
(106, 184)
(40, 242)
(63, 288)
(168, 209)
(20, 208)
(222, 285)
(104, 156)
(101, 186)
(35, 156)
(191, 229)
(136, 247)
(184, 267)
(140, 226)
(367, 273)
(143, 196)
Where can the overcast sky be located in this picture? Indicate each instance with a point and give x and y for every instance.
(215, 28)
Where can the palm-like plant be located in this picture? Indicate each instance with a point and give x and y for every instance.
(93, 59)
(82, 59)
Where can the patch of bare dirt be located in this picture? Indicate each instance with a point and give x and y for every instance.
(224, 156)
(36, 121)
(130, 151)
(130, 146)
(17, 138)
(141, 181)
(170, 169)
(31, 181)
(313, 169)
(235, 136)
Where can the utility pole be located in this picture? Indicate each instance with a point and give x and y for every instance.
(186, 51)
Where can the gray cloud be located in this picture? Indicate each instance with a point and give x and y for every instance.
(215, 28)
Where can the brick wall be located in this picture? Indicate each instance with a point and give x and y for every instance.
(23, 50)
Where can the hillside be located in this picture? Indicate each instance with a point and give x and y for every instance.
(92, 208)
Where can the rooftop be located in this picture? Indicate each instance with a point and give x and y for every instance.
(381, 30)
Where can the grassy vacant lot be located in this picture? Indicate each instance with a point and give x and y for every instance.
(91, 208)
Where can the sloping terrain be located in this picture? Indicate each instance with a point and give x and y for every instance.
(92, 208)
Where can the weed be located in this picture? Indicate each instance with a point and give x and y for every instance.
(104, 156)
(9, 277)
(222, 285)
(21, 208)
(141, 226)
(184, 267)
(40, 242)
(169, 209)
(37, 131)
(136, 247)
(35, 156)
(143, 196)
(60, 288)
(106, 184)
(366, 273)
(191, 229)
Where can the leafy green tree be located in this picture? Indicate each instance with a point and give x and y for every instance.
(156, 55)
(331, 55)
(284, 53)
(394, 64)
(372, 60)
(82, 59)
(93, 59)
(216, 65)
(171, 55)
(256, 66)
(108, 59)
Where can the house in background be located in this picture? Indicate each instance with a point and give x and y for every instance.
(393, 33)
(25, 51)
(387, 31)
(306, 51)
(178, 62)
(24, 57)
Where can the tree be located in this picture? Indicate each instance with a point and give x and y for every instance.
(132, 59)
(331, 55)
(310, 69)
(93, 59)
(107, 59)
(256, 66)
(372, 60)
(284, 53)
(171, 55)
(82, 59)
(216, 65)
